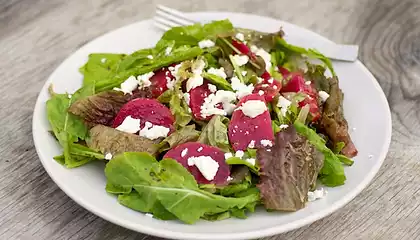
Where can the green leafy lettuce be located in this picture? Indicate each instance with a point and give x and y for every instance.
(332, 173)
(183, 135)
(167, 187)
(215, 133)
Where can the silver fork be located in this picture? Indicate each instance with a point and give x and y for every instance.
(166, 18)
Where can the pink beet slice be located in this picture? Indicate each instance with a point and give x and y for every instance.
(243, 129)
(147, 110)
(197, 96)
(160, 80)
(196, 149)
(269, 86)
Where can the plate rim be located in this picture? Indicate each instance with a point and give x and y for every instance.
(242, 235)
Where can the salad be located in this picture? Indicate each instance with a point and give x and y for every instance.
(210, 123)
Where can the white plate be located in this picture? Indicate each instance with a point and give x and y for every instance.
(365, 105)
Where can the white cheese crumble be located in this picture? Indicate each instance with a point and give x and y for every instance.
(184, 152)
(153, 132)
(251, 161)
(283, 126)
(108, 156)
(168, 51)
(253, 108)
(241, 89)
(240, 37)
(251, 144)
(218, 72)
(212, 88)
(199, 149)
(260, 92)
(264, 55)
(129, 125)
(148, 215)
(229, 178)
(266, 143)
(240, 60)
(228, 155)
(128, 86)
(144, 79)
(103, 60)
(196, 79)
(206, 43)
(207, 166)
(271, 81)
(69, 95)
(323, 95)
(170, 83)
(244, 73)
(149, 56)
(174, 70)
(260, 80)
(224, 97)
(317, 194)
(308, 83)
(239, 154)
(187, 98)
(284, 105)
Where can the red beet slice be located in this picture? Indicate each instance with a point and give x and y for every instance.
(242, 47)
(243, 129)
(147, 110)
(196, 149)
(269, 86)
(159, 81)
(297, 84)
(197, 96)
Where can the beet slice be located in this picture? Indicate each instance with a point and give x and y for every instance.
(196, 149)
(147, 110)
(160, 81)
(197, 96)
(243, 129)
(269, 86)
(297, 84)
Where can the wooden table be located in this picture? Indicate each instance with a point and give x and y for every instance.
(36, 35)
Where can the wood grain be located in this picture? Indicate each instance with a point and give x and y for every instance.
(36, 35)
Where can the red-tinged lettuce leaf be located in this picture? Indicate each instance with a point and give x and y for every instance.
(333, 122)
(102, 108)
(261, 39)
(288, 170)
(109, 140)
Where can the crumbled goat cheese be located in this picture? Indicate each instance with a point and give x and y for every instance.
(284, 105)
(129, 125)
(144, 79)
(239, 154)
(253, 108)
(264, 55)
(323, 95)
(251, 144)
(240, 60)
(218, 72)
(153, 132)
(128, 86)
(184, 152)
(206, 43)
(108, 156)
(317, 194)
(266, 143)
(207, 166)
(241, 89)
(240, 37)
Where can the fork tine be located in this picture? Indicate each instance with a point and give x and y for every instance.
(166, 22)
(172, 18)
(161, 26)
(175, 13)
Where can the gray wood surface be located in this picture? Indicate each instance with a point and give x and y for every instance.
(36, 35)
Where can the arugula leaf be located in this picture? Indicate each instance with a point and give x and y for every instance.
(100, 66)
(218, 81)
(176, 56)
(237, 69)
(238, 161)
(332, 173)
(179, 109)
(137, 58)
(192, 34)
(215, 133)
(170, 184)
(67, 127)
(183, 135)
(311, 53)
